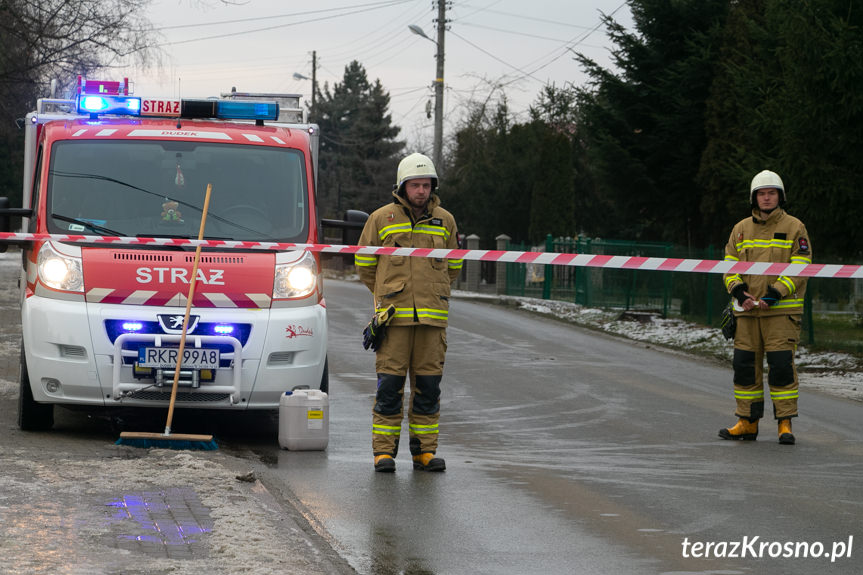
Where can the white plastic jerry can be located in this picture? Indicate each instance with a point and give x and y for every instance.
(304, 420)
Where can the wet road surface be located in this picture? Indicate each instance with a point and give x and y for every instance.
(571, 452)
(567, 451)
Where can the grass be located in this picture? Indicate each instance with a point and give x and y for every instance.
(836, 332)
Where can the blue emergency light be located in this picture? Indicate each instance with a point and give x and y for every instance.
(243, 110)
(132, 326)
(222, 329)
(125, 105)
(101, 97)
(230, 109)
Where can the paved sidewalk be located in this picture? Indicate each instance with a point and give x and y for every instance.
(148, 512)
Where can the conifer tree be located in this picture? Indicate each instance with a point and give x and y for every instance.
(359, 151)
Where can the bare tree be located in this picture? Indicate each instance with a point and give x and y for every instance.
(42, 40)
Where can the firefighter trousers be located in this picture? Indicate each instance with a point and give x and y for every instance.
(775, 338)
(418, 350)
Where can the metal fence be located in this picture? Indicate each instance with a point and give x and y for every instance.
(595, 287)
(696, 297)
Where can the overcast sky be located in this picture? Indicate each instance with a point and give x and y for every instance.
(258, 45)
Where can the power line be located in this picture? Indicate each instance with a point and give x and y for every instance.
(278, 26)
(535, 19)
(482, 9)
(490, 55)
(390, 29)
(563, 50)
(306, 13)
(512, 32)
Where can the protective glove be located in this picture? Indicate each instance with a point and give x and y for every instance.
(737, 293)
(375, 331)
(772, 296)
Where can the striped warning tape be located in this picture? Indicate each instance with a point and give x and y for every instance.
(558, 259)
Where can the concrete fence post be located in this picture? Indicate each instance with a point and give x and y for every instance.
(500, 268)
(473, 266)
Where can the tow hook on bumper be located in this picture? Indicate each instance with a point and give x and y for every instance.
(124, 388)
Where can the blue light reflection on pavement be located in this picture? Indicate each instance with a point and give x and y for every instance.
(174, 516)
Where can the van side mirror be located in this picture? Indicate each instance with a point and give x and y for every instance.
(357, 219)
(5, 213)
(351, 226)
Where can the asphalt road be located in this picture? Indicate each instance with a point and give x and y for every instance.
(568, 451)
(572, 452)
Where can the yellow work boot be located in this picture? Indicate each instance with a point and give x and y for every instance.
(428, 462)
(743, 429)
(385, 463)
(785, 435)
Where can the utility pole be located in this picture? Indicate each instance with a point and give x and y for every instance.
(314, 77)
(438, 90)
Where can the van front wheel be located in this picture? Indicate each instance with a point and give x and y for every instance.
(325, 377)
(32, 416)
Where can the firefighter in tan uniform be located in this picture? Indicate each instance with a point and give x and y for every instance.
(768, 309)
(419, 288)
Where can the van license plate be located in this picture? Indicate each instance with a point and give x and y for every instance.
(166, 357)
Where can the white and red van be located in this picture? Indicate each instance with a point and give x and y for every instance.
(101, 322)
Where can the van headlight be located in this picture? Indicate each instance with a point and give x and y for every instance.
(296, 279)
(58, 271)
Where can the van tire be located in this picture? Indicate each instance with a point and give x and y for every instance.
(32, 416)
(325, 377)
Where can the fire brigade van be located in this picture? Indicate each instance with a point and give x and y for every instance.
(101, 322)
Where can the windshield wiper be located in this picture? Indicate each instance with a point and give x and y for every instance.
(96, 228)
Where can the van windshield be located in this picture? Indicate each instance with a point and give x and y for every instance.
(157, 189)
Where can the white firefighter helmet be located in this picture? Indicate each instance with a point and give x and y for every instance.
(766, 179)
(416, 166)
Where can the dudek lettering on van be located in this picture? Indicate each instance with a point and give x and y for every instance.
(160, 107)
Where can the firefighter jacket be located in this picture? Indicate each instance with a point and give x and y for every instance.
(780, 238)
(418, 287)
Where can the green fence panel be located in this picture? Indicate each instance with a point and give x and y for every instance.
(696, 297)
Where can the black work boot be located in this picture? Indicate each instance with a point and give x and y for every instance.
(785, 435)
(428, 462)
(385, 463)
(743, 429)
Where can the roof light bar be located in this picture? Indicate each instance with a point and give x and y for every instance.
(121, 105)
(245, 110)
(97, 97)
(230, 109)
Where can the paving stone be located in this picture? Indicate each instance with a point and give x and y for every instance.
(169, 523)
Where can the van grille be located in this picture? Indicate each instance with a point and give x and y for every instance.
(217, 259)
(184, 397)
(73, 352)
(281, 358)
(143, 257)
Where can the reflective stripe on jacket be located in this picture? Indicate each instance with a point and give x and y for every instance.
(781, 238)
(418, 287)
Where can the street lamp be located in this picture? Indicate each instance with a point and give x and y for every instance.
(297, 76)
(418, 31)
(438, 91)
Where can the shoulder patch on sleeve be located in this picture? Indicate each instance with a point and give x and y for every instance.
(803, 244)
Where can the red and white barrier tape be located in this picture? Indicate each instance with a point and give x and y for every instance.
(557, 259)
